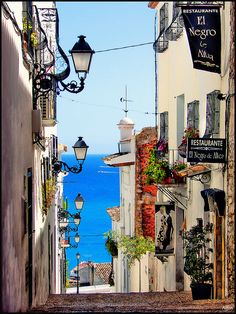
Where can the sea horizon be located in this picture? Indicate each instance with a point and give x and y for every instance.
(98, 184)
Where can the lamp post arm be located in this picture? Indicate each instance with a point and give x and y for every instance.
(71, 87)
(62, 230)
(59, 166)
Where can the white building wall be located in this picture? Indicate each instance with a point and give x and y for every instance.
(176, 76)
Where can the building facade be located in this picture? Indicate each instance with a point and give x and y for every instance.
(30, 255)
(190, 98)
(135, 214)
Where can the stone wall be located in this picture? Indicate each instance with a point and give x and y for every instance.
(145, 194)
(230, 241)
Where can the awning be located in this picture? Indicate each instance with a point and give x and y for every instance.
(194, 170)
(215, 197)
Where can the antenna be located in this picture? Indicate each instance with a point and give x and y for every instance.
(126, 100)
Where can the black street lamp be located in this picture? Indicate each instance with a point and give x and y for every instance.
(45, 81)
(78, 257)
(65, 241)
(80, 150)
(79, 202)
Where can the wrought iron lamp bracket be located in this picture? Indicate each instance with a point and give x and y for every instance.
(67, 229)
(71, 87)
(61, 166)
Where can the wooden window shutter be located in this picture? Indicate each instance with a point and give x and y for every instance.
(212, 114)
(162, 125)
(190, 115)
(166, 125)
(216, 129)
(196, 114)
(193, 114)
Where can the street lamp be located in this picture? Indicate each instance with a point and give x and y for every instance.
(80, 150)
(63, 228)
(44, 81)
(78, 257)
(77, 238)
(79, 202)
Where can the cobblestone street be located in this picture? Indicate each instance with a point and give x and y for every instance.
(147, 302)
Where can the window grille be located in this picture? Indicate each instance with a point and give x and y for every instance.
(161, 44)
(48, 107)
(175, 30)
(193, 115)
(212, 114)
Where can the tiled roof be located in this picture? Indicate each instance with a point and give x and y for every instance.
(114, 213)
(103, 270)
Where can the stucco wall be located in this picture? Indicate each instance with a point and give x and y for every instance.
(16, 158)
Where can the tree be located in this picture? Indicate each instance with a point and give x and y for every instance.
(132, 247)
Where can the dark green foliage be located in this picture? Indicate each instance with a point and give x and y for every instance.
(197, 264)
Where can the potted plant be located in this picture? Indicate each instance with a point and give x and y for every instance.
(157, 170)
(175, 168)
(197, 260)
(111, 245)
(28, 31)
(188, 133)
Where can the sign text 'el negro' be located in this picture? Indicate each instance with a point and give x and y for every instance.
(202, 24)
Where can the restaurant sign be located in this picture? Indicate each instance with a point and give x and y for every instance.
(202, 24)
(210, 150)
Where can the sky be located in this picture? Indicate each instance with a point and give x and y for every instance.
(95, 112)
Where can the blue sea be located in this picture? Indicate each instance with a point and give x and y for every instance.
(98, 184)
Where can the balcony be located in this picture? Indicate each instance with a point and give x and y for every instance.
(163, 168)
(48, 107)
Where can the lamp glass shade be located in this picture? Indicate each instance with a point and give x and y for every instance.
(80, 149)
(77, 255)
(77, 219)
(77, 238)
(64, 223)
(82, 55)
(79, 201)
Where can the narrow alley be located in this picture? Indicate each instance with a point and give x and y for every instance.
(144, 302)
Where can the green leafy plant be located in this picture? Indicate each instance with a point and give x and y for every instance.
(111, 244)
(48, 193)
(157, 169)
(197, 250)
(133, 247)
(28, 29)
(178, 166)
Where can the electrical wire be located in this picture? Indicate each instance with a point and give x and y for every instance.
(108, 106)
(118, 48)
(124, 47)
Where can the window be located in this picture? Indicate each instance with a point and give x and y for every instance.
(27, 24)
(175, 29)
(48, 106)
(163, 17)
(164, 125)
(212, 114)
(161, 44)
(54, 146)
(193, 115)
